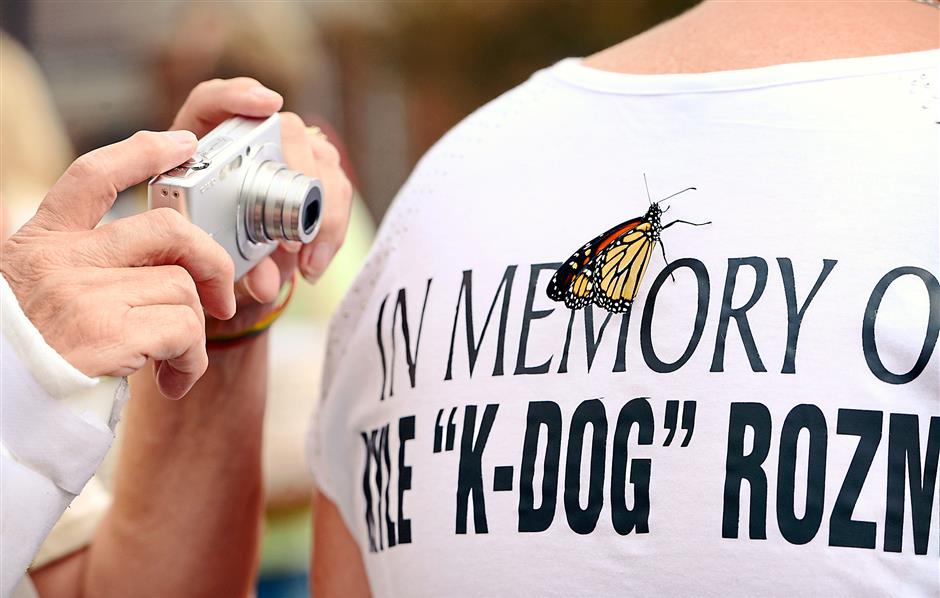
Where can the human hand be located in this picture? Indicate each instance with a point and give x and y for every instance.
(211, 103)
(109, 298)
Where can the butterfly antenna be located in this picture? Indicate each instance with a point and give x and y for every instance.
(647, 189)
(676, 193)
(662, 246)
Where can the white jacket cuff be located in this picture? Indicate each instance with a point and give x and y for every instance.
(56, 420)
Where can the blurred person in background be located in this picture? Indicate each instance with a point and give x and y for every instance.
(509, 448)
(36, 154)
(175, 457)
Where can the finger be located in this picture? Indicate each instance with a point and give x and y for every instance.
(296, 144)
(87, 190)
(286, 263)
(173, 335)
(212, 102)
(260, 285)
(324, 151)
(266, 278)
(337, 202)
(315, 156)
(164, 237)
(291, 246)
(156, 285)
(298, 147)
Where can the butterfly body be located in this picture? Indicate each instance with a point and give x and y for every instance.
(608, 269)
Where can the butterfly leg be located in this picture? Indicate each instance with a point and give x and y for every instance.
(686, 222)
(662, 247)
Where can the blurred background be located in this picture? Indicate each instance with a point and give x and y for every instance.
(391, 77)
(384, 79)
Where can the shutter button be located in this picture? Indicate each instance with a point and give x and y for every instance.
(197, 162)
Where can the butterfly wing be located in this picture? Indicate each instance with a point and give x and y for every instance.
(621, 266)
(574, 282)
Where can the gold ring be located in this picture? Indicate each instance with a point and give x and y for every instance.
(317, 133)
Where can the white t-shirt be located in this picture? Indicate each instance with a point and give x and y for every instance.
(766, 423)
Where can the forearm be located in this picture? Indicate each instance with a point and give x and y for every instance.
(188, 490)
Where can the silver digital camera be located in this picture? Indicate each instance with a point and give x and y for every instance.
(237, 188)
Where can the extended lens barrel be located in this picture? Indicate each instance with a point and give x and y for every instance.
(283, 204)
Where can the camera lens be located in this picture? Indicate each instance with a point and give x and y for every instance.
(283, 204)
(311, 213)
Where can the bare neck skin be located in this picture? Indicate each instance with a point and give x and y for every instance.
(739, 34)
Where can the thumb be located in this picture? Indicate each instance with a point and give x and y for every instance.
(87, 190)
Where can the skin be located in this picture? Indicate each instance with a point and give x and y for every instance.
(713, 36)
(188, 495)
(721, 35)
(109, 298)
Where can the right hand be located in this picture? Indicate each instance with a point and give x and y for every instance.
(109, 298)
(211, 103)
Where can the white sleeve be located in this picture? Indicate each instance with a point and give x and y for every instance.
(56, 426)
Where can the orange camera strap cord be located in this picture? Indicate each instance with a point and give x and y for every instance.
(226, 341)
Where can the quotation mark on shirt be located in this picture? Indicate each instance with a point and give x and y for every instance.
(672, 421)
(439, 431)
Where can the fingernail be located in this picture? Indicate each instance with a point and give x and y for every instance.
(316, 262)
(232, 307)
(264, 93)
(291, 246)
(251, 292)
(182, 137)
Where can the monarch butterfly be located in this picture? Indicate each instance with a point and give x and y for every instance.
(608, 269)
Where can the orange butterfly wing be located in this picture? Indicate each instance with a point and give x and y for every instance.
(576, 280)
(621, 267)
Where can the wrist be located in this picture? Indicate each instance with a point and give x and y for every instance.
(235, 355)
(58, 377)
(239, 372)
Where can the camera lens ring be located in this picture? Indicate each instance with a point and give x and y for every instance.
(258, 192)
(274, 203)
(280, 204)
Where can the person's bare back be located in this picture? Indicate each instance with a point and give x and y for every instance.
(720, 35)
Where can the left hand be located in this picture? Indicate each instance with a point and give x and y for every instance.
(212, 102)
